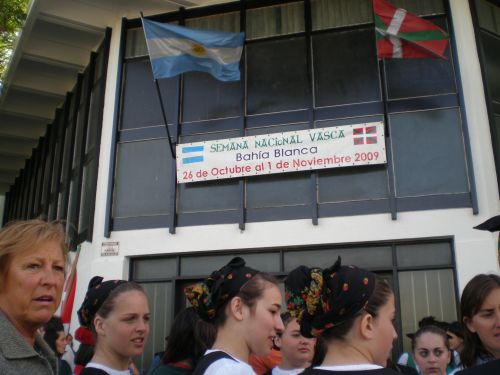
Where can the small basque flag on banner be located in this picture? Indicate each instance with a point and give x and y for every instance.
(401, 34)
(174, 50)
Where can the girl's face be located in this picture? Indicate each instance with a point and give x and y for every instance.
(431, 354)
(454, 341)
(385, 332)
(125, 331)
(296, 350)
(263, 321)
(486, 323)
(61, 342)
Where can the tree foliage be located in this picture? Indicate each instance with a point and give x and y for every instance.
(12, 16)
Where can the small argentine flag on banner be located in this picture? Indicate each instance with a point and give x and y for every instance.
(192, 154)
(174, 50)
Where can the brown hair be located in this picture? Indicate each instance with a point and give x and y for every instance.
(250, 293)
(473, 296)
(20, 236)
(381, 294)
(429, 329)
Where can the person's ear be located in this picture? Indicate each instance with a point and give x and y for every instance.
(366, 327)
(99, 325)
(236, 308)
(469, 324)
(277, 341)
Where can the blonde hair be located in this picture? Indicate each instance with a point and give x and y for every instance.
(20, 236)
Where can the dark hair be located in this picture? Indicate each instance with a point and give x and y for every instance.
(473, 297)
(52, 329)
(189, 337)
(109, 303)
(84, 354)
(456, 329)
(250, 293)
(429, 329)
(381, 294)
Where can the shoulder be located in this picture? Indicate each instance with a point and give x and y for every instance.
(93, 371)
(382, 371)
(228, 366)
(489, 368)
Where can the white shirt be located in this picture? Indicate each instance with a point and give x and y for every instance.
(228, 366)
(361, 367)
(279, 371)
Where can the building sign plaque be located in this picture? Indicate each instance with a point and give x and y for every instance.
(320, 148)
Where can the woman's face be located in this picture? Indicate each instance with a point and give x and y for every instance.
(431, 354)
(125, 331)
(296, 350)
(385, 334)
(61, 342)
(486, 323)
(263, 321)
(33, 286)
(454, 341)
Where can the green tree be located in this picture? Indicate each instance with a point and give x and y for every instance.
(12, 16)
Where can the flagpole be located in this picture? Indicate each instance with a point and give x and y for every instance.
(163, 112)
(385, 98)
(164, 118)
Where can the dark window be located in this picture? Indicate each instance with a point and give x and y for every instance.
(276, 76)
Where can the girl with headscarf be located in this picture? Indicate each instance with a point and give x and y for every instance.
(352, 310)
(244, 305)
(117, 312)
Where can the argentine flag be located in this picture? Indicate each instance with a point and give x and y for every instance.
(175, 50)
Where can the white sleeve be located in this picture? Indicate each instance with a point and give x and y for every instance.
(226, 366)
(403, 359)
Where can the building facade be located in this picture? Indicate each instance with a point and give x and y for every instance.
(104, 163)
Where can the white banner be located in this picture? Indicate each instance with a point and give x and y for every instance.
(339, 146)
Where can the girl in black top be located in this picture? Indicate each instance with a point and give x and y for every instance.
(352, 310)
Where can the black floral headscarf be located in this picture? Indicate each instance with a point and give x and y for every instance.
(97, 293)
(222, 285)
(321, 299)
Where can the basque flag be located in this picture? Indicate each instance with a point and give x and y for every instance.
(401, 34)
(174, 50)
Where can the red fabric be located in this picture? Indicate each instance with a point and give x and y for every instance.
(412, 24)
(261, 365)
(85, 336)
(68, 305)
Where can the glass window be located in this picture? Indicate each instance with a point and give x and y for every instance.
(160, 297)
(87, 196)
(154, 268)
(275, 20)
(208, 98)
(143, 172)
(430, 144)
(221, 194)
(428, 76)
(368, 257)
(73, 208)
(488, 15)
(337, 13)
(284, 189)
(95, 121)
(140, 92)
(425, 293)
(229, 22)
(136, 43)
(432, 254)
(345, 68)
(204, 265)
(277, 76)
(491, 48)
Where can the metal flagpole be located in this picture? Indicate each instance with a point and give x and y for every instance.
(163, 113)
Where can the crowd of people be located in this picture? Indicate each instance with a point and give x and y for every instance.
(338, 320)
